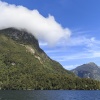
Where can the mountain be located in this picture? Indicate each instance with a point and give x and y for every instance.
(90, 70)
(25, 47)
(24, 65)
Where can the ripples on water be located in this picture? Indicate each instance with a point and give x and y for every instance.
(50, 95)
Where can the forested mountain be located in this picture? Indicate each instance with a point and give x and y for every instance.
(24, 65)
(89, 70)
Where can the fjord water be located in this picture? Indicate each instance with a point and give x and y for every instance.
(50, 95)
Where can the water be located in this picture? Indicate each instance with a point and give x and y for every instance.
(50, 95)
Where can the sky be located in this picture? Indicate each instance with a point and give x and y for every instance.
(81, 18)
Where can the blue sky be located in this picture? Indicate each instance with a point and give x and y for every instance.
(82, 17)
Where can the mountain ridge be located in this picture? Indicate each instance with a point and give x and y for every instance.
(27, 40)
(89, 70)
(24, 65)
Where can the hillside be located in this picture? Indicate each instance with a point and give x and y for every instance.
(24, 65)
(22, 47)
(90, 70)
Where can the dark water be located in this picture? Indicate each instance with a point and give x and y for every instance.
(50, 95)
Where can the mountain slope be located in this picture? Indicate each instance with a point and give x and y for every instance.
(21, 58)
(90, 70)
(24, 65)
(20, 40)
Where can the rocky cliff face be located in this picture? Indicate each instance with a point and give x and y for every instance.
(90, 70)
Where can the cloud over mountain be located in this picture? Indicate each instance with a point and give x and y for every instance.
(19, 17)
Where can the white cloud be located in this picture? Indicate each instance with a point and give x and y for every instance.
(42, 43)
(80, 41)
(70, 67)
(86, 48)
(43, 28)
(78, 49)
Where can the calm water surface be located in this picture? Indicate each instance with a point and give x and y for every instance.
(50, 95)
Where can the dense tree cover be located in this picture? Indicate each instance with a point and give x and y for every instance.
(40, 81)
(22, 69)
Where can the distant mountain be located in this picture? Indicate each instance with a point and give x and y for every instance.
(24, 65)
(90, 70)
